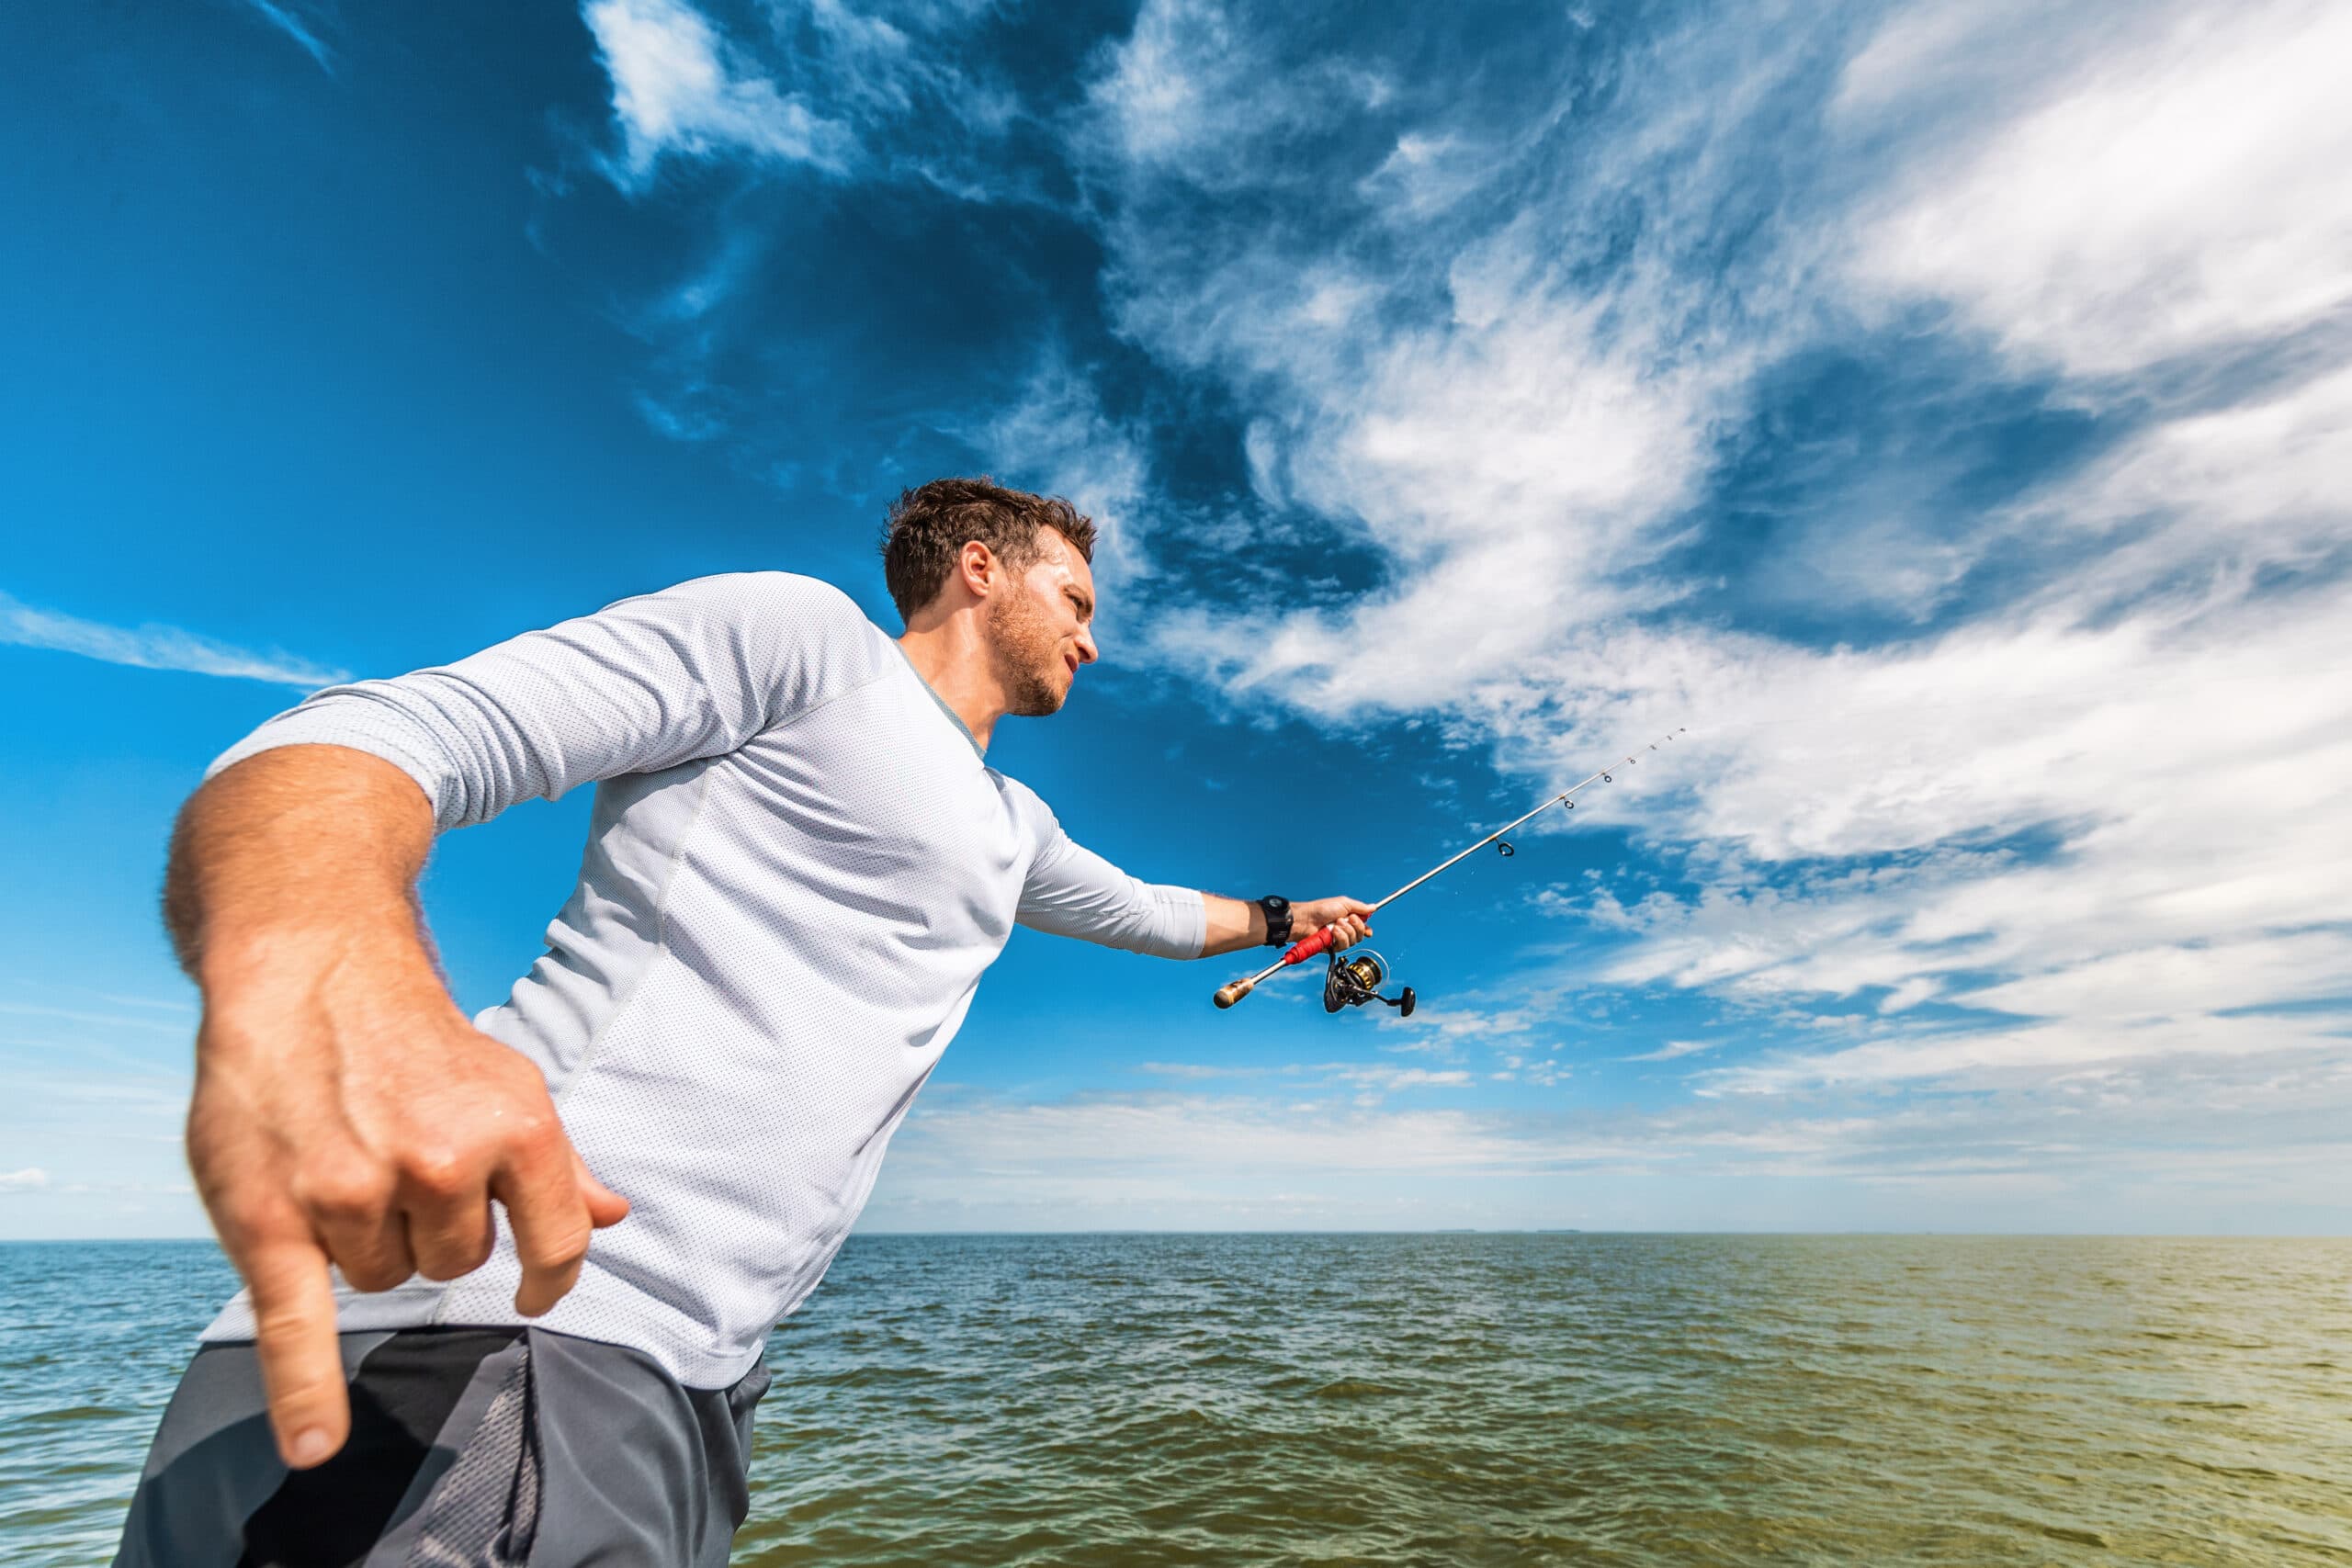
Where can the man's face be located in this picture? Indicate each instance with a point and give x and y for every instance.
(1039, 627)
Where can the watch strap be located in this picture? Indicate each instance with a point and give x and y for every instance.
(1278, 920)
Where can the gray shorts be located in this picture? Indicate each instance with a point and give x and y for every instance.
(471, 1447)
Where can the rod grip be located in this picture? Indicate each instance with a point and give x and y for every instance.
(1300, 952)
(1228, 995)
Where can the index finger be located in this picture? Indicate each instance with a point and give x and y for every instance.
(551, 1222)
(301, 1360)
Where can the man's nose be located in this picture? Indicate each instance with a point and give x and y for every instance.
(1087, 652)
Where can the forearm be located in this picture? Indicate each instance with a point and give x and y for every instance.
(308, 850)
(1233, 924)
(345, 1113)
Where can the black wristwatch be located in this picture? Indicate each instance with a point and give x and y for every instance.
(1277, 920)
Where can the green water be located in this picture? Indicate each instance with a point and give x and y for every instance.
(1438, 1399)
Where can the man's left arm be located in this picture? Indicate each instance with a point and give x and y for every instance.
(1072, 891)
(1236, 923)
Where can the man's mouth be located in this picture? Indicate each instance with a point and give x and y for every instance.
(1071, 659)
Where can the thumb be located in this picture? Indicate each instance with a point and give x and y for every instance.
(606, 1207)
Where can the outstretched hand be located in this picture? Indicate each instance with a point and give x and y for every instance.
(1353, 916)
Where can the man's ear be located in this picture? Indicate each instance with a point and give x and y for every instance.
(979, 567)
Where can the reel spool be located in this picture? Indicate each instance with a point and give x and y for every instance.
(1355, 978)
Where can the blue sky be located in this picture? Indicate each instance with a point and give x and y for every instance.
(1940, 409)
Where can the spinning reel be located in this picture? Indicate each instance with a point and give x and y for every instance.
(1352, 982)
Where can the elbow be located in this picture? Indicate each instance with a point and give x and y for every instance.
(183, 918)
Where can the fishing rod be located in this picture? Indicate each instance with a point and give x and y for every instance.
(1358, 980)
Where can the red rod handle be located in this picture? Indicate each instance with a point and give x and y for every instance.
(1321, 942)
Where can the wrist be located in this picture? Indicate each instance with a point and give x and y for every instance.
(383, 954)
(1275, 911)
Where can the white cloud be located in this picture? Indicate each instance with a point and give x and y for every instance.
(155, 647)
(1453, 1024)
(822, 85)
(1504, 355)
(2156, 983)
(1910, 994)
(1181, 91)
(1511, 405)
(679, 88)
(2183, 191)
(1200, 1070)
(2184, 780)
(1055, 437)
(1390, 1080)
(2217, 495)
(2110, 788)
(181, 1026)
(2060, 1052)
(1374, 1078)
(2008, 1157)
(31, 1179)
(1673, 1048)
(1224, 1134)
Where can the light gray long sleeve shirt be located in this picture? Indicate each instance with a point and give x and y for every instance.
(797, 868)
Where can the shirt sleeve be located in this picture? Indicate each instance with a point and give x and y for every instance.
(1072, 891)
(647, 684)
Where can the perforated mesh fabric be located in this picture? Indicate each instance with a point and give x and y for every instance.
(484, 1512)
(797, 869)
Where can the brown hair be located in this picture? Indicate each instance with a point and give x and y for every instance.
(931, 523)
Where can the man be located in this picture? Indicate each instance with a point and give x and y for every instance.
(797, 869)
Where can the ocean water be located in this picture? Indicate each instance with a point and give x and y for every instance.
(1505, 1399)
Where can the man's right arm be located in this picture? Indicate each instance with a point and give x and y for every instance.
(345, 1110)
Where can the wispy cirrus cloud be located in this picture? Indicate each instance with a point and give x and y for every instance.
(681, 88)
(289, 19)
(2087, 750)
(1673, 1049)
(817, 86)
(1938, 407)
(152, 647)
(2180, 191)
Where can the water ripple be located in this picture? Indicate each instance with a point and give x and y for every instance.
(1069, 1402)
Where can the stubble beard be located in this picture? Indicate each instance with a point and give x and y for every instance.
(1028, 657)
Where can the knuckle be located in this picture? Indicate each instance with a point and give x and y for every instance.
(373, 1273)
(457, 1256)
(517, 1075)
(438, 1171)
(244, 1218)
(535, 1118)
(534, 1130)
(345, 1188)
